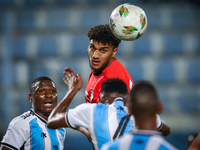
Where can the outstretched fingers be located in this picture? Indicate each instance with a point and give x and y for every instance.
(65, 79)
(69, 73)
(69, 70)
(72, 79)
(80, 83)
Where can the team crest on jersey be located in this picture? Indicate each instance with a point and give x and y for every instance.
(44, 135)
(120, 108)
(89, 96)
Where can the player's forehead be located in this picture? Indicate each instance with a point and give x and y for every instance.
(43, 83)
(104, 95)
(99, 43)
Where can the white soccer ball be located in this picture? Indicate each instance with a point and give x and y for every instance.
(128, 22)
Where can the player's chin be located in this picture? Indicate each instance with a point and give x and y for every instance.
(95, 67)
(49, 109)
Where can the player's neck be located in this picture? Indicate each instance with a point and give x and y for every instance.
(97, 73)
(146, 124)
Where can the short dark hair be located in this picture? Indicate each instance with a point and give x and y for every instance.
(104, 35)
(143, 98)
(114, 85)
(36, 80)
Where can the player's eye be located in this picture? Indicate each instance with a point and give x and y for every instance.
(103, 50)
(41, 91)
(53, 91)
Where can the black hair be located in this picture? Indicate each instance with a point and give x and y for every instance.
(143, 98)
(114, 85)
(142, 86)
(104, 35)
(36, 80)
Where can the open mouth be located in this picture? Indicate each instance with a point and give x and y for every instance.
(48, 103)
(95, 62)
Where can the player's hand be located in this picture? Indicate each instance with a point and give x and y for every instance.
(72, 80)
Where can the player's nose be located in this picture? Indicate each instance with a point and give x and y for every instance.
(96, 54)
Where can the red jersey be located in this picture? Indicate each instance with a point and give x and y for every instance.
(114, 70)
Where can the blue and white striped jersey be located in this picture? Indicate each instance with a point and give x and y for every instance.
(101, 120)
(141, 140)
(29, 131)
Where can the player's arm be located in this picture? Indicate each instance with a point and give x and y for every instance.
(4, 148)
(74, 83)
(162, 127)
(165, 129)
(195, 145)
(85, 132)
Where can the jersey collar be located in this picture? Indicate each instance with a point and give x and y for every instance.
(146, 132)
(43, 120)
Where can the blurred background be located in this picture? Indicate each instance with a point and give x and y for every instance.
(41, 37)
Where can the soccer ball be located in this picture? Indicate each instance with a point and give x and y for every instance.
(128, 22)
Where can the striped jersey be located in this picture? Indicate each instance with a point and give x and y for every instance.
(29, 131)
(140, 140)
(101, 120)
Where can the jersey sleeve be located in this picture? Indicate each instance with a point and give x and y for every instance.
(16, 134)
(80, 116)
(159, 122)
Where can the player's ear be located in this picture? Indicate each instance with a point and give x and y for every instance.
(160, 107)
(125, 99)
(129, 109)
(114, 51)
(30, 97)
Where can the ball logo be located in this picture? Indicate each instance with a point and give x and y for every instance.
(112, 25)
(123, 10)
(129, 30)
(142, 21)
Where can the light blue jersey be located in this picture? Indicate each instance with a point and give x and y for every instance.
(140, 140)
(30, 132)
(101, 120)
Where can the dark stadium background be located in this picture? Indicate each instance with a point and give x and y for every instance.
(41, 37)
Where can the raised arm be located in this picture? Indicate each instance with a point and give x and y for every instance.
(74, 82)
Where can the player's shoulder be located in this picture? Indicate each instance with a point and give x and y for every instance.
(101, 106)
(21, 121)
(117, 63)
(116, 68)
(157, 138)
(85, 106)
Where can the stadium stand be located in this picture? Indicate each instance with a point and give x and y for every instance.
(47, 35)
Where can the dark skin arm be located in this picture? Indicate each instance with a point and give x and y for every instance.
(165, 129)
(4, 148)
(57, 117)
(195, 145)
